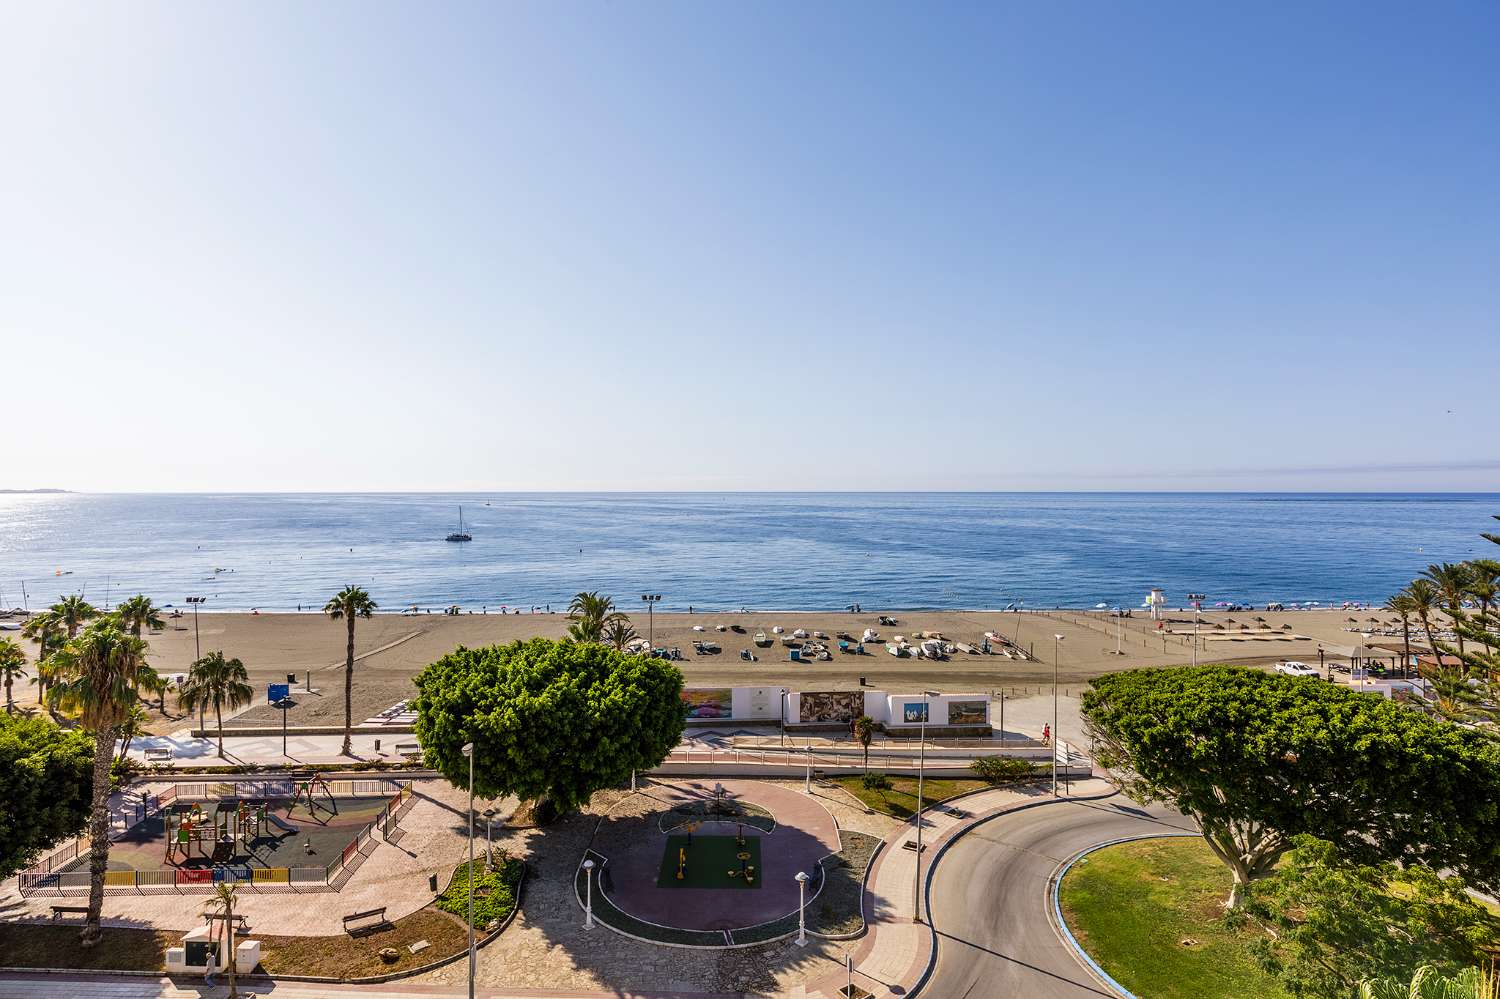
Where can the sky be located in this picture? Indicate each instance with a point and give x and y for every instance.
(677, 246)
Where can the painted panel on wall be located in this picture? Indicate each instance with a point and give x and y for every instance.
(967, 712)
(831, 705)
(709, 702)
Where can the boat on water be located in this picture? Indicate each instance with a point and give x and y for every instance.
(460, 534)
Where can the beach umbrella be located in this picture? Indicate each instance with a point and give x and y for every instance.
(1101, 606)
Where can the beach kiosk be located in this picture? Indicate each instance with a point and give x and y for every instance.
(199, 953)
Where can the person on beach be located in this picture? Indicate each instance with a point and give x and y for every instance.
(1046, 734)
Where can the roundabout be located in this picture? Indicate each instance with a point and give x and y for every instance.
(712, 856)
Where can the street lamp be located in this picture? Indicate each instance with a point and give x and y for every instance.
(588, 906)
(1055, 741)
(285, 704)
(916, 898)
(802, 880)
(197, 649)
(783, 716)
(489, 837)
(468, 750)
(651, 599)
(807, 782)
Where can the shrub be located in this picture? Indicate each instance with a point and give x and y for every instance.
(494, 891)
(876, 782)
(1000, 769)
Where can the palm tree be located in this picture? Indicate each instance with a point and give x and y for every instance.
(591, 612)
(864, 734)
(12, 668)
(619, 633)
(1401, 604)
(139, 612)
(46, 631)
(96, 678)
(1428, 983)
(349, 603)
(73, 612)
(1425, 602)
(214, 680)
(1484, 586)
(1452, 582)
(130, 728)
(223, 901)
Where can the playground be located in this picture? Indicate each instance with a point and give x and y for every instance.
(711, 861)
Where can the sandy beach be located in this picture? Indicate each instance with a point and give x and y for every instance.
(393, 647)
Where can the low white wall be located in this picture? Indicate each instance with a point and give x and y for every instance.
(764, 704)
(905, 710)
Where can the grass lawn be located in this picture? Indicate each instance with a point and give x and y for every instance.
(1134, 905)
(709, 859)
(900, 799)
(37, 945)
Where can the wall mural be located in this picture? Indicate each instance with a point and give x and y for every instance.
(831, 705)
(708, 702)
(967, 712)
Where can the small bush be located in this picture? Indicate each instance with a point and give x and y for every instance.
(494, 891)
(876, 782)
(1001, 769)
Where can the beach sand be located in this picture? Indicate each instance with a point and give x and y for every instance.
(395, 647)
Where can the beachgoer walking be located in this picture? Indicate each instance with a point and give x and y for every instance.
(1046, 735)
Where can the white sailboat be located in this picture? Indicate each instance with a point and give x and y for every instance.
(460, 534)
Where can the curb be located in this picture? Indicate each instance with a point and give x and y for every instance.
(942, 849)
(1055, 916)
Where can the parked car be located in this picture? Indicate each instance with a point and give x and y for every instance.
(1293, 668)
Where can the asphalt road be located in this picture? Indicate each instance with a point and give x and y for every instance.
(989, 900)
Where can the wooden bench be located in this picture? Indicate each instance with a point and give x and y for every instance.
(368, 920)
(240, 925)
(158, 755)
(409, 749)
(58, 910)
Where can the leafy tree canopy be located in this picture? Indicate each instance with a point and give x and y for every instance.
(45, 779)
(560, 719)
(1336, 924)
(1258, 758)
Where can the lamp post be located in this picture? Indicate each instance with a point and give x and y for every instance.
(807, 781)
(651, 599)
(588, 905)
(468, 750)
(802, 880)
(489, 837)
(197, 649)
(1056, 640)
(916, 898)
(784, 693)
(285, 704)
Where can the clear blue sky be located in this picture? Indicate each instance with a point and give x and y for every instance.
(680, 246)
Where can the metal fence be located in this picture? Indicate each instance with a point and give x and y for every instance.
(47, 874)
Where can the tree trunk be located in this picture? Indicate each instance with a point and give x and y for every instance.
(348, 749)
(230, 962)
(104, 743)
(219, 721)
(867, 758)
(10, 704)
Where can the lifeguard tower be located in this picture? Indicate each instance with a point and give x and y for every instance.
(1155, 601)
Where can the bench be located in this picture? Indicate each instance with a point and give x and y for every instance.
(369, 920)
(158, 755)
(409, 749)
(58, 910)
(240, 925)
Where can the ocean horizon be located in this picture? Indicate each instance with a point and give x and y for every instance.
(727, 550)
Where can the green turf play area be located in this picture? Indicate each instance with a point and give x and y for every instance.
(709, 859)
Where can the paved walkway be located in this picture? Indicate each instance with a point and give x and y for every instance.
(145, 987)
(894, 954)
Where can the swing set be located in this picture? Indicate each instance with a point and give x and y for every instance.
(307, 789)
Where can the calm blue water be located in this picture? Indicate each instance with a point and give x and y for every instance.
(762, 551)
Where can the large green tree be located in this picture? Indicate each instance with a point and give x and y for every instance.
(1258, 758)
(12, 668)
(1335, 924)
(96, 679)
(348, 604)
(557, 719)
(45, 779)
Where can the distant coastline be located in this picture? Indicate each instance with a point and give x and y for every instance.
(22, 492)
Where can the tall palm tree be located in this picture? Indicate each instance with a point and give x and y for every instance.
(1401, 604)
(591, 612)
(619, 633)
(1452, 582)
(1425, 603)
(223, 901)
(96, 678)
(139, 612)
(864, 734)
(46, 630)
(73, 612)
(1484, 587)
(12, 668)
(219, 682)
(349, 603)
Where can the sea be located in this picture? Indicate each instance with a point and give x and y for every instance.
(726, 551)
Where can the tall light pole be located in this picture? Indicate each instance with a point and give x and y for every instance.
(807, 782)
(916, 899)
(1056, 639)
(651, 599)
(198, 650)
(468, 750)
(784, 698)
(802, 880)
(588, 905)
